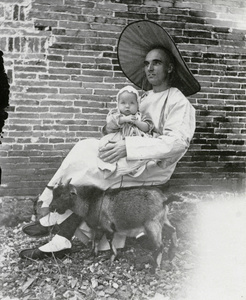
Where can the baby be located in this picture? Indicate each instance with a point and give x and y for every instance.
(125, 120)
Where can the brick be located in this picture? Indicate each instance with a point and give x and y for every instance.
(142, 9)
(112, 6)
(54, 57)
(64, 109)
(79, 128)
(53, 77)
(165, 4)
(54, 141)
(80, 3)
(129, 15)
(63, 71)
(97, 73)
(89, 104)
(81, 59)
(202, 14)
(97, 123)
(74, 25)
(24, 116)
(71, 122)
(30, 69)
(41, 90)
(187, 4)
(58, 31)
(64, 99)
(75, 91)
(137, 2)
(57, 65)
(95, 98)
(64, 83)
(87, 134)
(196, 33)
(94, 111)
(56, 116)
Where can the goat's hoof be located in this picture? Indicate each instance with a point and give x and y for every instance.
(112, 258)
(171, 252)
(159, 260)
(152, 270)
(91, 254)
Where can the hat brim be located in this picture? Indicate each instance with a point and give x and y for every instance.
(136, 40)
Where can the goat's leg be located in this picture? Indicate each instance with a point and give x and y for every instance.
(154, 232)
(96, 240)
(93, 245)
(173, 235)
(110, 236)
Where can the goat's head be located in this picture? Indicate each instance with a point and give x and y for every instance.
(64, 196)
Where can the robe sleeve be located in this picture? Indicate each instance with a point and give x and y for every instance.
(177, 132)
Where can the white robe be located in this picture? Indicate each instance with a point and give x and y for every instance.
(174, 120)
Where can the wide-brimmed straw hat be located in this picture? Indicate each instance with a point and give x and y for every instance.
(136, 40)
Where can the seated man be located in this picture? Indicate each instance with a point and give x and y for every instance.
(174, 122)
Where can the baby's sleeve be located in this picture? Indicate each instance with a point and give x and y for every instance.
(112, 122)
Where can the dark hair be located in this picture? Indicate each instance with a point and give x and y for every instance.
(167, 52)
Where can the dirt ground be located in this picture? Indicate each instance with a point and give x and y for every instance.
(210, 262)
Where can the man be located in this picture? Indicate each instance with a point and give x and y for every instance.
(174, 120)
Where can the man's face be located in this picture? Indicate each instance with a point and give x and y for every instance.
(157, 67)
(127, 103)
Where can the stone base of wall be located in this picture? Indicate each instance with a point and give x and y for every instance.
(234, 185)
(14, 211)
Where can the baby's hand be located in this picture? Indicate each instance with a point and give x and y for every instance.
(133, 117)
(128, 119)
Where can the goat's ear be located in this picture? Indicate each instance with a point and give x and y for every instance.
(72, 189)
(50, 187)
(69, 180)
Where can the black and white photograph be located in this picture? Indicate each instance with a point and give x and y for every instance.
(122, 150)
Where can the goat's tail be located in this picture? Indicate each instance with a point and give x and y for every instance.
(165, 188)
(173, 198)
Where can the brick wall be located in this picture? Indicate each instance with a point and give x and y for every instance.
(60, 57)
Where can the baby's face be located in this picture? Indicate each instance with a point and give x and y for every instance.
(127, 103)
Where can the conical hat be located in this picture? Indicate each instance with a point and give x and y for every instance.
(136, 40)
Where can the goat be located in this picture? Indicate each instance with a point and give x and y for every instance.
(119, 210)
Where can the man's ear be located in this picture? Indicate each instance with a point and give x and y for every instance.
(170, 68)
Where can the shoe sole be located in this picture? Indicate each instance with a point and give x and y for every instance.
(34, 235)
(36, 254)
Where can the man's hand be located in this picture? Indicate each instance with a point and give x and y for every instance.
(113, 151)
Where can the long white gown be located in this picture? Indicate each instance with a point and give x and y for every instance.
(173, 117)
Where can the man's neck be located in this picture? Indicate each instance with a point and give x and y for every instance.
(161, 88)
